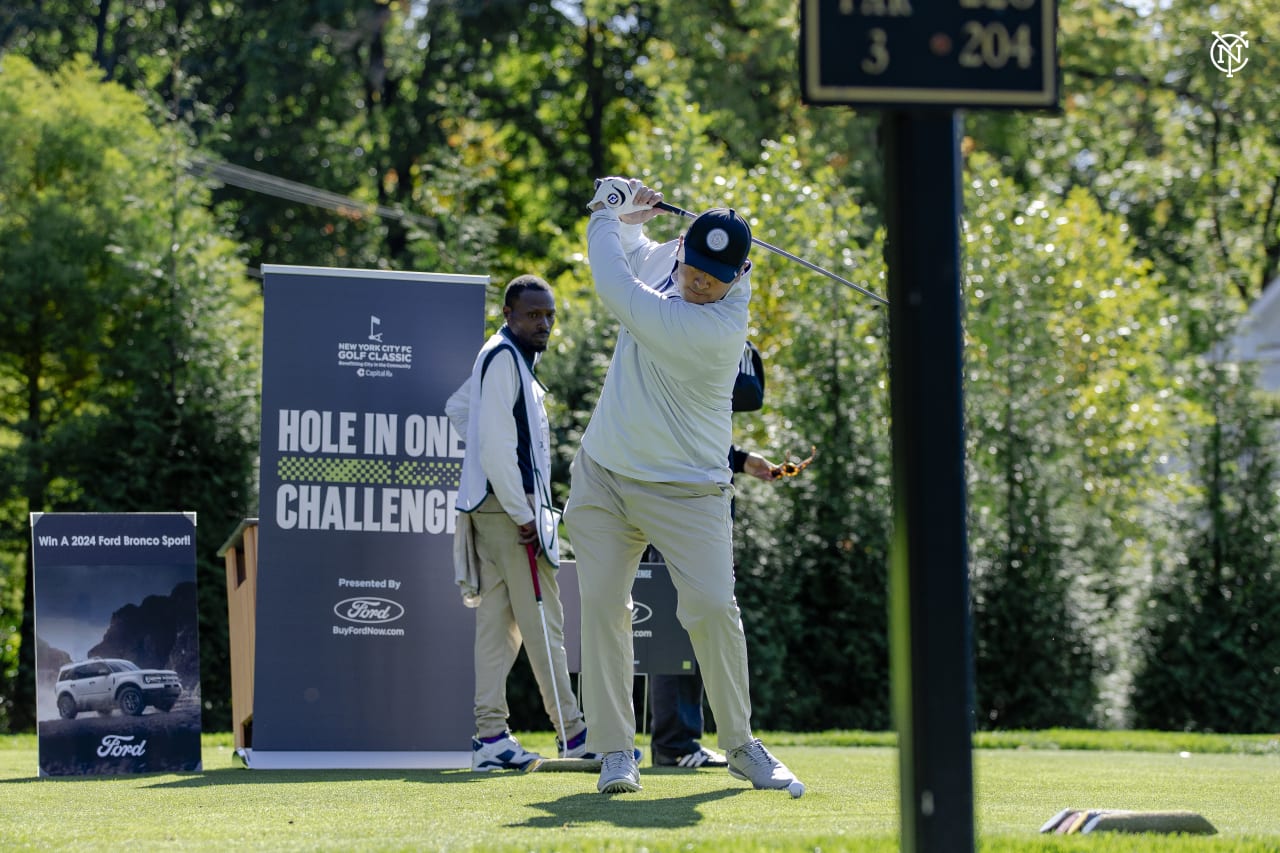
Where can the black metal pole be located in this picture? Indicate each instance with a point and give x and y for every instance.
(930, 646)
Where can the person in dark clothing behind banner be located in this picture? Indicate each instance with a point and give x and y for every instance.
(677, 699)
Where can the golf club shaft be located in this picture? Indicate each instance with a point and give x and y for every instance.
(546, 639)
(784, 253)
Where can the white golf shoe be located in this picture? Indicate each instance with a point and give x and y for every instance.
(619, 773)
(752, 763)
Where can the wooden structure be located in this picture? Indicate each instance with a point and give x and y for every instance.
(240, 552)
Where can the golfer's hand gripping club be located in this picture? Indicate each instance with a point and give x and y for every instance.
(533, 571)
(527, 533)
(617, 196)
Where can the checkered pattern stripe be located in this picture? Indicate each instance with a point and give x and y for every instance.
(372, 472)
(446, 475)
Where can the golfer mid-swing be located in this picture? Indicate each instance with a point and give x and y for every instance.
(504, 503)
(652, 468)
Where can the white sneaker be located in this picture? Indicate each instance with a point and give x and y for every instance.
(619, 773)
(700, 757)
(505, 753)
(577, 747)
(752, 763)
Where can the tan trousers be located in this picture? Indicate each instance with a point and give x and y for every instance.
(611, 519)
(508, 615)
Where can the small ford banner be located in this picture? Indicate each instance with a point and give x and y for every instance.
(117, 648)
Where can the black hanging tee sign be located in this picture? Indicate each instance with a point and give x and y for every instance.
(929, 53)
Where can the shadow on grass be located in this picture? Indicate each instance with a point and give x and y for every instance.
(638, 811)
(586, 807)
(623, 810)
(226, 776)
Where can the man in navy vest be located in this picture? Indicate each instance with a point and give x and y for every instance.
(504, 503)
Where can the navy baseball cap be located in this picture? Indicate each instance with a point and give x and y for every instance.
(717, 243)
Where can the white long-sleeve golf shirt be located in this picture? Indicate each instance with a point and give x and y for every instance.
(664, 413)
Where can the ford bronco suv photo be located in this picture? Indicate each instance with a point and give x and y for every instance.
(104, 684)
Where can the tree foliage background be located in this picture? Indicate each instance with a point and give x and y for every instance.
(1122, 490)
(127, 338)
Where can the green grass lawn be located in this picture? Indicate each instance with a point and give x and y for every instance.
(1020, 780)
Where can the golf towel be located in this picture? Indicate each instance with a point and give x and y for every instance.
(466, 561)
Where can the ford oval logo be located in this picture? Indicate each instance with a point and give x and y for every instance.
(368, 610)
(640, 612)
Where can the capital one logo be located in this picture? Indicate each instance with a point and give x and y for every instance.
(640, 613)
(368, 610)
(117, 746)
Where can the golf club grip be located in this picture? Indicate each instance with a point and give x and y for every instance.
(671, 208)
(533, 571)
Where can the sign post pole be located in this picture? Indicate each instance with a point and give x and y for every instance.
(929, 592)
(920, 66)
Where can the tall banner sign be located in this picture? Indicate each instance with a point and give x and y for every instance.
(117, 648)
(363, 654)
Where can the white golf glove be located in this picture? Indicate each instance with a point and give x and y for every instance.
(616, 195)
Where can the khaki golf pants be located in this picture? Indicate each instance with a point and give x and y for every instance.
(507, 615)
(611, 519)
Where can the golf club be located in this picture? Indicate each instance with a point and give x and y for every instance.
(555, 763)
(662, 205)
